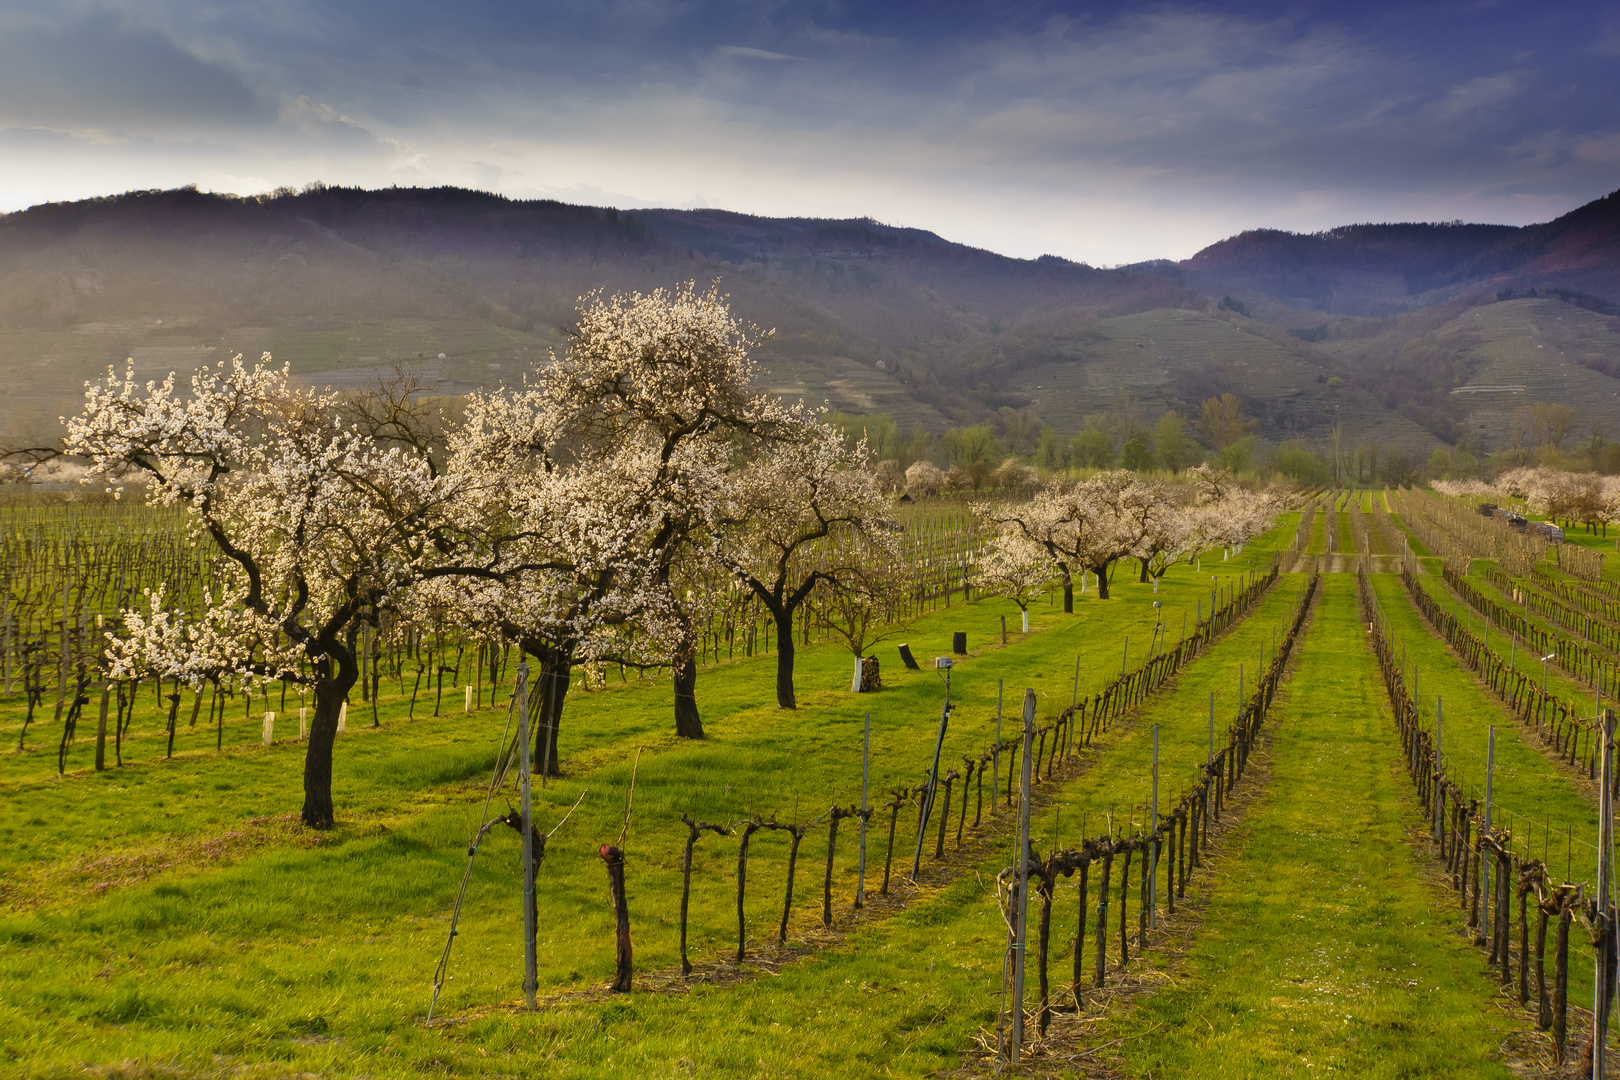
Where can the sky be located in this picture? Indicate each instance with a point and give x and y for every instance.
(1104, 132)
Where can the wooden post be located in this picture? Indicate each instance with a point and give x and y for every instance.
(614, 858)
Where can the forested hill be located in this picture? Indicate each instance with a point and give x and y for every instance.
(1367, 329)
(1370, 270)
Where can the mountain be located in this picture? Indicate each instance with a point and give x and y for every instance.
(1373, 270)
(1366, 329)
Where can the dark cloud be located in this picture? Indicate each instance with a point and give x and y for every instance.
(1103, 131)
(106, 70)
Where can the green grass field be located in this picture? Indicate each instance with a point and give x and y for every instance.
(169, 918)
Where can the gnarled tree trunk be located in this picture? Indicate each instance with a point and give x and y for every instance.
(688, 725)
(784, 659)
(547, 697)
(331, 689)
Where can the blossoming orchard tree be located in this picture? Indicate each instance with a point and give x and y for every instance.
(637, 429)
(1086, 525)
(327, 511)
(801, 495)
(1016, 567)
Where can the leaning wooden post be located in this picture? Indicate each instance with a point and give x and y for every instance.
(531, 977)
(1022, 914)
(933, 771)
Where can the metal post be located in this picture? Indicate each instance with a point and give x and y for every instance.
(1023, 880)
(531, 976)
(995, 758)
(933, 778)
(1212, 727)
(866, 762)
(1439, 730)
(1485, 830)
(1153, 872)
(1600, 989)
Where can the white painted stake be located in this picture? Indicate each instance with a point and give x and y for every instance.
(269, 728)
(343, 717)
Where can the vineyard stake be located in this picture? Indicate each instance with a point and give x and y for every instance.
(1153, 873)
(531, 977)
(1601, 988)
(1485, 829)
(1439, 725)
(866, 760)
(995, 758)
(933, 778)
(1022, 914)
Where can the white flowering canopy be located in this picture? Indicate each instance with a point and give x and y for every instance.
(319, 520)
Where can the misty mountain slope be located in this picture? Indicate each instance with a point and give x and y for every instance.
(1174, 358)
(471, 289)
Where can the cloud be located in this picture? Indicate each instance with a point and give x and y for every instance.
(107, 70)
(1104, 133)
(745, 52)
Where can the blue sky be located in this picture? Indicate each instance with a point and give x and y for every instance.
(1104, 132)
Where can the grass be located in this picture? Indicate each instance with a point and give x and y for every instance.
(1323, 947)
(1318, 542)
(321, 955)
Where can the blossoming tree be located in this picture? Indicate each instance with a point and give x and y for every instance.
(324, 522)
(801, 493)
(637, 429)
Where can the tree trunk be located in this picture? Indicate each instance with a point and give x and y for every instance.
(784, 660)
(1102, 580)
(331, 689)
(1144, 578)
(688, 725)
(547, 697)
(1068, 593)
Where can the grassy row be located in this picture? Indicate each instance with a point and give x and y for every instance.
(1532, 795)
(1324, 950)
